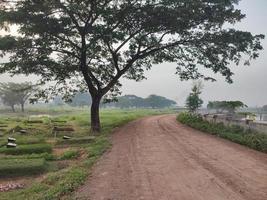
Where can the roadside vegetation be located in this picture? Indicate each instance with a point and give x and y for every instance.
(235, 134)
(56, 166)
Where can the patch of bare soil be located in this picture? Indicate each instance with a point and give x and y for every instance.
(156, 158)
(60, 151)
(15, 183)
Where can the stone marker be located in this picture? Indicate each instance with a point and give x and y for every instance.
(11, 140)
(66, 137)
(11, 145)
(23, 131)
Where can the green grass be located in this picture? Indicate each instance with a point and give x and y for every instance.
(71, 154)
(78, 140)
(46, 156)
(21, 167)
(27, 149)
(237, 134)
(62, 183)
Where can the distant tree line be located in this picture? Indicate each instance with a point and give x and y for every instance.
(264, 108)
(127, 101)
(225, 106)
(152, 101)
(12, 94)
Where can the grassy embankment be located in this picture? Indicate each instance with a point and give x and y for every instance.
(235, 134)
(35, 151)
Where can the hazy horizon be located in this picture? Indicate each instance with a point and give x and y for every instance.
(250, 82)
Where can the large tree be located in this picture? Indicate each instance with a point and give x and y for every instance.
(94, 43)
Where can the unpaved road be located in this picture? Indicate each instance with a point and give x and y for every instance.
(156, 158)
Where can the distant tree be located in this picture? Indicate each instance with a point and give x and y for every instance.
(216, 105)
(58, 101)
(81, 99)
(228, 106)
(155, 101)
(193, 101)
(264, 108)
(16, 93)
(94, 43)
(7, 96)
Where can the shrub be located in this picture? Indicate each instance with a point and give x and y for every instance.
(21, 167)
(27, 149)
(234, 133)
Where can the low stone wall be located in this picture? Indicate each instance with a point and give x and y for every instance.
(260, 127)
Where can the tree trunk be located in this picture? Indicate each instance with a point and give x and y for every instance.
(95, 119)
(22, 107)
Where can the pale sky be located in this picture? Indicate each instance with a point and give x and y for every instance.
(250, 82)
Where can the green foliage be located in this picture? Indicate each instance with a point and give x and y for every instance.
(46, 156)
(98, 147)
(235, 134)
(27, 149)
(229, 106)
(193, 101)
(21, 167)
(71, 154)
(12, 94)
(29, 140)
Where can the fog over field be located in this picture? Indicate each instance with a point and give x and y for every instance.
(250, 83)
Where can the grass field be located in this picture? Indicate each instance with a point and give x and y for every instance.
(38, 150)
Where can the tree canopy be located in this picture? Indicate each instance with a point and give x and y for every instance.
(93, 43)
(228, 106)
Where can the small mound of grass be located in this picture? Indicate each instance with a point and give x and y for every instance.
(46, 156)
(30, 140)
(68, 155)
(80, 140)
(21, 167)
(27, 149)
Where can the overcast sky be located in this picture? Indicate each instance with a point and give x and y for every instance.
(250, 82)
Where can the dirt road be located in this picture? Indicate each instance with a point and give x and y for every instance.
(156, 158)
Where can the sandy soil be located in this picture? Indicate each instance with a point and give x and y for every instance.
(156, 158)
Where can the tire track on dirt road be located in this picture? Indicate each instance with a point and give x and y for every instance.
(156, 158)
